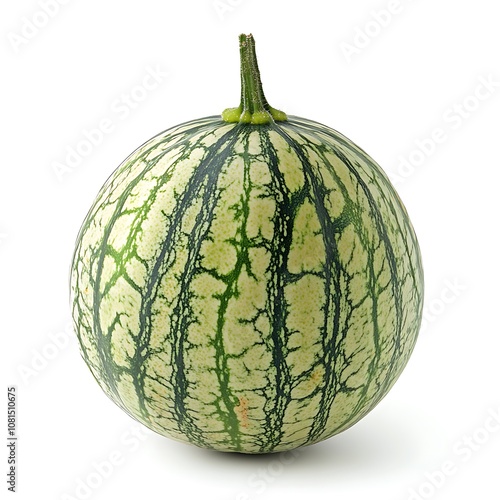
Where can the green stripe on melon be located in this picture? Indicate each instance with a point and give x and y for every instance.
(247, 287)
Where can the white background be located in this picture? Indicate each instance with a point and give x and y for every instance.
(420, 69)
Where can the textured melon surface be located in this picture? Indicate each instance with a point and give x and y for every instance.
(247, 288)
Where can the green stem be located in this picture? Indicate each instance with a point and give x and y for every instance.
(253, 107)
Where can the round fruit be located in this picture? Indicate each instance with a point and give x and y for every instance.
(250, 283)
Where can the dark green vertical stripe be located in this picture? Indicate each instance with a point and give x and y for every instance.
(279, 249)
(202, 183)
(332, 275)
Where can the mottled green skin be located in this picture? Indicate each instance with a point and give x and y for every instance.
(247, 288)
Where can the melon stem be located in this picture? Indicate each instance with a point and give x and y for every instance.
(253, 107)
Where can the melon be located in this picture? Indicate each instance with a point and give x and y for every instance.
(248, 282)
